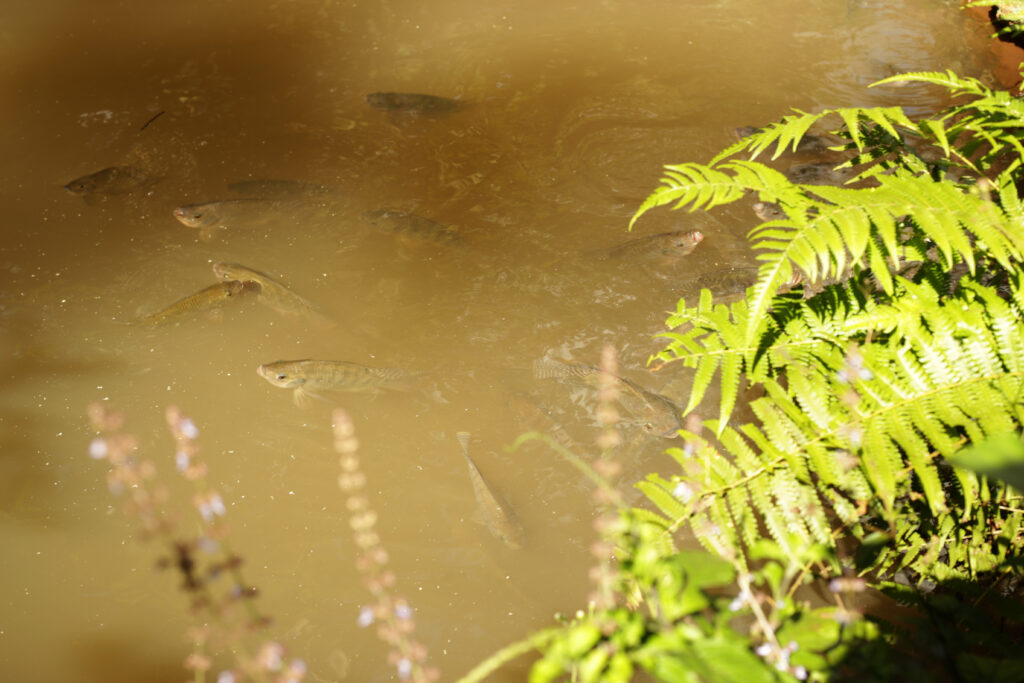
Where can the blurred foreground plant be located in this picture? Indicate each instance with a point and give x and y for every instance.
(395, 617)
(840, 541)
(223, 604)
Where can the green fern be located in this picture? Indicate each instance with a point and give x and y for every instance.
(909, 346)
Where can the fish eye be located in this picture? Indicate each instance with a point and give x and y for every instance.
(281, 376)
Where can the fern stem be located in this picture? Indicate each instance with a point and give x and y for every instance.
(508, 653)
(561, 450)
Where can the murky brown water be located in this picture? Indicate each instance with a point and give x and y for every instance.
(573, 108)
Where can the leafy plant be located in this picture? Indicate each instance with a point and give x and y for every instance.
(900, 350)
(911, 351)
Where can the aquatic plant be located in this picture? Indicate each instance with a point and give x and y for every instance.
(210, 570)
(908, 352)
(898, 360)
(391, 611)
(227, 617)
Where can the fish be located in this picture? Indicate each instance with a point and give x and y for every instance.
(654, 413)
(309, 377)
(277, 189)
(210, 214)
(532, 414)
(272, 292)
(667, 246)
(413, 103)
(818, 174)
(727, 282)
(498, 515)
(113, 180)
(412, 231)
(208, 298)
(768, 211)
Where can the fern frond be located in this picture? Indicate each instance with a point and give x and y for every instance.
(957, 85)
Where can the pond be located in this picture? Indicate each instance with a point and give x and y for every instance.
(474, 242)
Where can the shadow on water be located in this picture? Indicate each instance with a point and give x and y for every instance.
(113, 659)
(40, 375)
(569, 119)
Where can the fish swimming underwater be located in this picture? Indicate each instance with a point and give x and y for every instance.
(210, 214)
(272, 292)
(206, 299)
(411, 230)
(768, 211)
(728, 282)
(113, 180)
(413, 103)
(499, 517)
(309, 377)
(818, 174)
(655, 413)
(666, 246)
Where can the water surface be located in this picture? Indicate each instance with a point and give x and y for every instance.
(571, 110)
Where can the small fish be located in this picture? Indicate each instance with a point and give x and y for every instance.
(668, 245)
(271, 292)
(413, 103)
(277, 189)
(410, 228)
(532, 414)
(109, 181)
(210, 214)
(768, 211)
(727, 282)
(655, 413)
(205, 299)
(308, 377)
(501, 520)
(818, 174)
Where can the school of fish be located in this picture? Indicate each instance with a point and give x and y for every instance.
(257, 201)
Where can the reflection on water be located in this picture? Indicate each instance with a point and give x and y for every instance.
(459, 238)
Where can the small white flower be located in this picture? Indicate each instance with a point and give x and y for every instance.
(763, 650)
(189, 429)
(682, 492)
(297, 669)
(365, 617)
(98, 448)
(404, 668)
(216, 504)
(182, 460)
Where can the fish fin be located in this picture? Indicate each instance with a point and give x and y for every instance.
(301, 398)
(545, 368)
(304, 397)
(208, 234)
(318, 320)
(549, 368)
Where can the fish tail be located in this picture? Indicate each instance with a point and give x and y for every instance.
(547, 368)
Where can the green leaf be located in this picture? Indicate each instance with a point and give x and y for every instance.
(999, 457)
